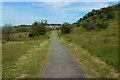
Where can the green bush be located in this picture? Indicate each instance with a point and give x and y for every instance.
(110, 15)
(66, 28)
(7, 32)
(92, 13)
(102, 25)
(38, 28)
(94, 25)
(101, 16)
(85, 17)
(32, 33)
(89, 25)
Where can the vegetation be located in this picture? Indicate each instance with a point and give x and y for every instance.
(38, 28)
(7, 32)
(98, 19)
(91, 66)
(90, 25)
(25, 46)
(97, 32)
(66, 28)
(24, 56)
(24, 59)
(24, 32)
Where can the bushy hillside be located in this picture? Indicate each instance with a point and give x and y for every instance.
(97, 32)
(99, 19)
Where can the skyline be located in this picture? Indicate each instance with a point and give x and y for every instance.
(17, 13)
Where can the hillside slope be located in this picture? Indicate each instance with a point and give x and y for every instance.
(97, 32)
(99, 19)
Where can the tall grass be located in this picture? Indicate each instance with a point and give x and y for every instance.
(102, 43)
(12, 51)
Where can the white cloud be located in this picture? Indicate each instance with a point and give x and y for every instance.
(60, 0)
(61, 11)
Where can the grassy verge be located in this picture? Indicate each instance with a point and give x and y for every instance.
(91, 66)
(24, 37)
(101, 44)
(24, 59)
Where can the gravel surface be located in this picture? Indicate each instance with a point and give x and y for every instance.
(60, 64)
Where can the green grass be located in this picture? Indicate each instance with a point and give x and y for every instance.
(91, 66)
(103, 44)
(24, 58)
(24, 37)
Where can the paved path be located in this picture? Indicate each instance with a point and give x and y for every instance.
(60, 64)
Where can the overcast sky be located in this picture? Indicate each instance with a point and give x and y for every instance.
(17, 13)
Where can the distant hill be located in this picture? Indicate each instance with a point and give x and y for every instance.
(99, 19)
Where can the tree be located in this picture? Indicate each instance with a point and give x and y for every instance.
(7, 32)
(38, 28)
(66, 28)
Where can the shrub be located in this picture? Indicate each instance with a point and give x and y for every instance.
(110, 15)
(93, 18)
(92, 13)
(101, 16)
(85, 17)
(66, 28)
(38, 28)
(7, 32)
(102, 25)
(94, 25)
(89, 25)
(31, 35)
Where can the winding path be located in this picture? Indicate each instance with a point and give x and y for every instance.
(60, 64)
